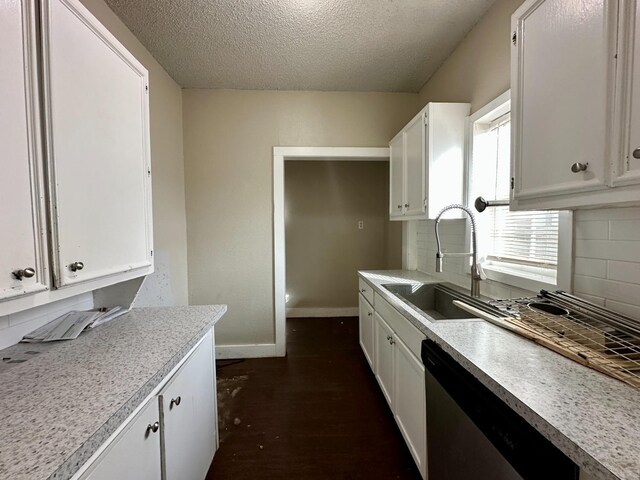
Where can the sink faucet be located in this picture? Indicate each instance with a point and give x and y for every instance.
(476, 270)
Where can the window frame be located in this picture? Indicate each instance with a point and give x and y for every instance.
(498, 107)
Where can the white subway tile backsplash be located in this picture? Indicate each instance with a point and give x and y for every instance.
(632, 311)
(592, 230)
(518, 293)
(13, 327)
(494, 290)
(607, 272)
(608, 214)
(591, 267)
(625, 230)
(591, 298)
(608, 250)
(624, 272)
(608, 289)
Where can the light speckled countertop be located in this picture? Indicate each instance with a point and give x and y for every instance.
(63, 403)
(592, 418)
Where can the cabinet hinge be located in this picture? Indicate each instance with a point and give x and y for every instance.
(514, 38)
(148, 172)
(146, 87)
(426, 120)
(513, 181)
(152, 253)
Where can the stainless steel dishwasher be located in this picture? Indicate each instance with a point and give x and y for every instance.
(473, 434)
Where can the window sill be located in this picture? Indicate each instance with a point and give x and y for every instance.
(526, 281)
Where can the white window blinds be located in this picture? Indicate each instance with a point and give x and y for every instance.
(516, 239)
(528, 238)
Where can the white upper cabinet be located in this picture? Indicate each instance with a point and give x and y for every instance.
(23, 258)
(565, 113)
(426, 162)
(414, 154)
(75, 189)
(96, 97)
(627, 166)
(396, 165)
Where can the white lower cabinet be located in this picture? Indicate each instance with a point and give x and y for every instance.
(187, 412)
(384, 357)
(173, 436)
(394, 358)
(134, 453)
(409, 403)
(366, 329)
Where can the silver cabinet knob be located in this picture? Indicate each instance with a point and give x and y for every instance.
(362, 290)
(175, 401)
(75, 266)
(368, 314)
(636, 153)
(391, 341)
(152, 428)
(399, 206)
(25, 273)
(579, 167)
(406, 205)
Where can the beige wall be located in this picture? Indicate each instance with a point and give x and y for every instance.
(478, 69)
(324, 200)
(168, 285)
(228, 141)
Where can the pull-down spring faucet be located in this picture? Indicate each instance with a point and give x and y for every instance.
(476, 270)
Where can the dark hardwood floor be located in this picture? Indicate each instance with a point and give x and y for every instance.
(316, 414)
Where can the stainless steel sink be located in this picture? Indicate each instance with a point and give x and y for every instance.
(435, 300)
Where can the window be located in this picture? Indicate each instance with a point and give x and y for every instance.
(515, 245)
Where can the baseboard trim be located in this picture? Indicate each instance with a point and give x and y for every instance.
(261, 350)
(322, 312)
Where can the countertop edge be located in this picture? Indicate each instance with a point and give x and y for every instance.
(83, 453)
(583, 459)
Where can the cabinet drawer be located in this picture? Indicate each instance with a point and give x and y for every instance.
(366, 290)
(410, 335)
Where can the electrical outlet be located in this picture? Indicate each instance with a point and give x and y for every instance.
(360, 224)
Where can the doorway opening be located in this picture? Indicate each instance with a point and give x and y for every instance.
(317, 155)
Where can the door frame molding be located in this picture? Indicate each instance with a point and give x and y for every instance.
(280, 155)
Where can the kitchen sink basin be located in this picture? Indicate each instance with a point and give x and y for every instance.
(435, 300)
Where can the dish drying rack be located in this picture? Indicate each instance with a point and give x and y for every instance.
(582, 331)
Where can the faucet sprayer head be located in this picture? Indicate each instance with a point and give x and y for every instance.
(439, 262)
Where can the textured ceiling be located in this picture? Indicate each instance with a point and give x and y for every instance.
(349, 45)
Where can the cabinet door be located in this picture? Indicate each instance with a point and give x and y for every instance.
(627, 168)
(410, 407)
(562, 64)
(134, 453)
(366, 329)
(384, 360)
(396, 176)
(20, 187)
(188, 417)
(415, 166)
(98, 145)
